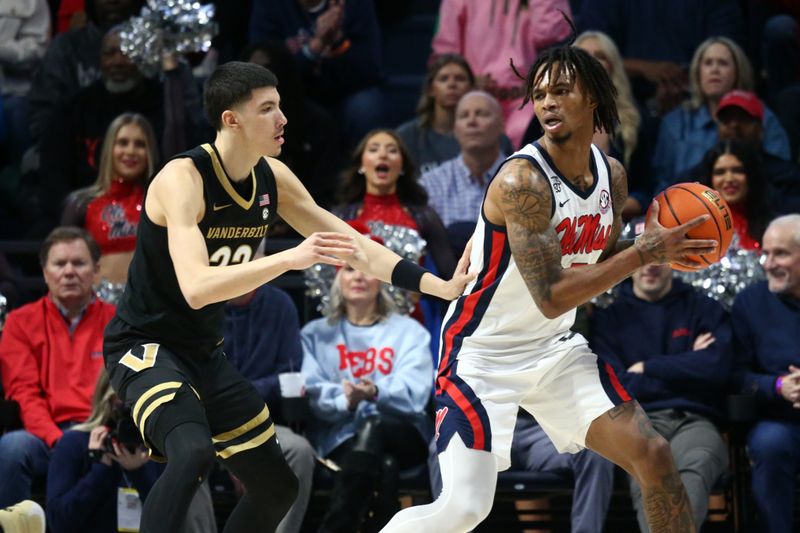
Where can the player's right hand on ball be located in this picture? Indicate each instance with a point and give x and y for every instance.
(661, 245)
(323, 247)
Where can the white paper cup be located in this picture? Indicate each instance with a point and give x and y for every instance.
(293, 384)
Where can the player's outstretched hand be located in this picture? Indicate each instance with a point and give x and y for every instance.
(323, 247)
(671, 245)
(461, 277)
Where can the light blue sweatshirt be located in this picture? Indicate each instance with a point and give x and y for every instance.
(393, 353)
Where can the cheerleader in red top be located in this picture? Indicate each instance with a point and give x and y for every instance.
(110, 209)
(734, 170)
(381, 184)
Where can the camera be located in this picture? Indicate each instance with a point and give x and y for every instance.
(123, 430)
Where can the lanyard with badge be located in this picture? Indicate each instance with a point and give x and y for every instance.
(129, 507)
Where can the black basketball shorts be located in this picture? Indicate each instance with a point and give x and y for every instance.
(168, 386)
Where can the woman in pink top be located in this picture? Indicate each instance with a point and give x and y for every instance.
(488, 33)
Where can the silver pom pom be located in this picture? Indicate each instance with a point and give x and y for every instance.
(722, 281)
(403, 241)
(167, 27)
(319, 279)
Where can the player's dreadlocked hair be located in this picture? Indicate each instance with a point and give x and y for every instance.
(575, 62)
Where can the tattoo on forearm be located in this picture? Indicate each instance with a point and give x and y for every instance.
(667, 506)
(642, 259)
(652, 246)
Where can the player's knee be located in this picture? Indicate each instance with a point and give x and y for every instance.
(196, 460)
(469, 518)
(654, 461)
(469, 511)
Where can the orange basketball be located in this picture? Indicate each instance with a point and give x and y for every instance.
(684, 201)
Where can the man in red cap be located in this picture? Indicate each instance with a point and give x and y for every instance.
(740, 117)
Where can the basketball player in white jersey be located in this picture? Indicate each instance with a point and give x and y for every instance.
(546, 242)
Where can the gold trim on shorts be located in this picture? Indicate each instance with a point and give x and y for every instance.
(163, 393)
(260, 438)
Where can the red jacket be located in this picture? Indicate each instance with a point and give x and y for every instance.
(50, 373)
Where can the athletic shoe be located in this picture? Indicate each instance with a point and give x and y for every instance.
(25, 517)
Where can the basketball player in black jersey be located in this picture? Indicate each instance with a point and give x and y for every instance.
(204, 214)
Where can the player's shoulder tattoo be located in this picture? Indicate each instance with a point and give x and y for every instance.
(525, 195)
(527, 203)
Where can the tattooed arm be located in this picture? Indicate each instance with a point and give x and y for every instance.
(520, 199)
(619, 193)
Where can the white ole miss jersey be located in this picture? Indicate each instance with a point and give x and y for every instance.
(496, 315)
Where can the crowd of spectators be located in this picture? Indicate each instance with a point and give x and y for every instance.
(701, 97)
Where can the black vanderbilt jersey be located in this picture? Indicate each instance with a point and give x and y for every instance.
(236, 219)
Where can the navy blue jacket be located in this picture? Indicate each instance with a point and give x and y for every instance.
(662, 335)
(766, 343)
(82, 494)
(262, 340)
(327, 79)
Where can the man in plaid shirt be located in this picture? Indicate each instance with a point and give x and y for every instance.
(456, 187)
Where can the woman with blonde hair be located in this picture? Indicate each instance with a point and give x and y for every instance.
(110, 209)
(369, 376)
(91, 468)
(631, 142)
(719, 66)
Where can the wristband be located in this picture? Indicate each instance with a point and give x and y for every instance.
(407, 275)
(94, 455)
(779, 385)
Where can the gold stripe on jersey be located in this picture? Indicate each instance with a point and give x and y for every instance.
(226, 183)
(258, 440)
(168, 385)
(260, 418)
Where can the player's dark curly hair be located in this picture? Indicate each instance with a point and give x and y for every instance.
(576, 63)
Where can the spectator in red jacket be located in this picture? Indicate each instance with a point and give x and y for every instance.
(50, 355)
